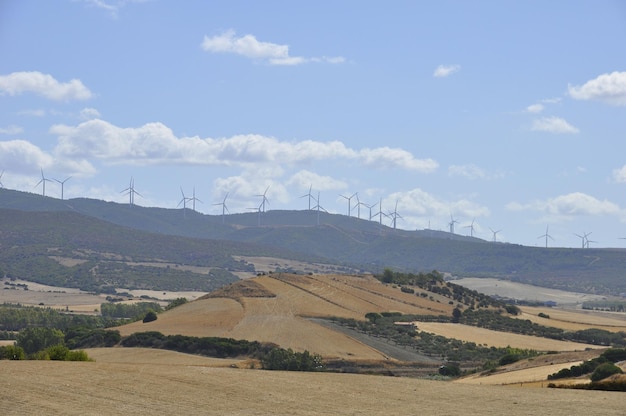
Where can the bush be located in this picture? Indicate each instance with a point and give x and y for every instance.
(605, 370)
(150, 316)
(288, 360)
(450, 370)
(509, 359)
(12, 352)
(33, 340)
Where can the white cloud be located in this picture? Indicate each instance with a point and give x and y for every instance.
(389, 158)
(569, 205)
(112, 8)
(619, 175)
(250, 47)
(45, 85)
(469, 171)
(420, 203)
(24, 157)
(155, 143)
(535, 108)
(609, 88)
(11, 130)
(553, 125)
(443, 71)
(89, 113)
(32, 113)
(304, 179)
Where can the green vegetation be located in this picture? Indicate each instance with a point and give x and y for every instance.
(610, 356)
(135, 311)
(605, 370)
(606, 305)
(16, 317)
(288, 360)
(175, 303)
(149, 317)
(434, 282)
(468, 355)
(84, 337)
(41, 344)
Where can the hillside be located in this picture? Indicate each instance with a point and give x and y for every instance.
(351, 242)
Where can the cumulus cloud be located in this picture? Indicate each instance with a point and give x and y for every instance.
(11, 130)
(555, 125)
(45, 85)
(443, 71)
(569, 205)
(608, 88)
(304, 179)
(89, 113)
(619, 175)
(468, 171)
(155, 143)
(250, 47)
(535, 108)
(24, 157)
(420, 203)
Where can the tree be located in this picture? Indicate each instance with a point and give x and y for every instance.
(456, 315)
(12, 352)
(37, 339)
(150, 316)
(605, 370)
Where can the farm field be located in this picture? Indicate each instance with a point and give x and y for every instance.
(171, 385)
(498, 339)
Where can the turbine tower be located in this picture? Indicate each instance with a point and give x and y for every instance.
(311, 197)
(43, 183)
(1, 185)
(63, 185)
(451, 224)
(193, 199)
(394, 215)
(318, 208)
(471, 227)
(264, 200)
(183, 201)
(224, 208)
(494, 234)
(130, 191)
(546, 236)
(349, 198)
(584, 239)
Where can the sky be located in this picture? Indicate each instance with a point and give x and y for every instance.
(507, 118)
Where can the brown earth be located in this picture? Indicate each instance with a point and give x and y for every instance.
(168, 384)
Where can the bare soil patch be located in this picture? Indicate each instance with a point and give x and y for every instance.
(520, 291)
(491, 338)
(96, 388)
(575, 319)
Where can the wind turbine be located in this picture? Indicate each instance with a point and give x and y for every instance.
(184, 202)
(319, 208)
(349, 198)
(471, 227)
(358, 206)
(63, 184)
(370, 208)
(494, 234)
(130, 191)
(43, 182)
(224, 207)
(394, 215)
(309, 195)
(546, 236)
(258, 209)
(193, 199)
(1, 185)
(451, 224)
(584, 239)
(264, 200)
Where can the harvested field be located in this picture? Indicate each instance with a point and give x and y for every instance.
(575, 319)
(491, 338)
(171, 387)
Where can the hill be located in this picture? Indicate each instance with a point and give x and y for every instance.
(347, 242)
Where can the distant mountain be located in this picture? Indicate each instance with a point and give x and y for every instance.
(357, 243)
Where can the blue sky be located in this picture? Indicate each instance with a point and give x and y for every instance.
(507, 114)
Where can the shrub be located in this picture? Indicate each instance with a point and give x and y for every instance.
(37, 339)
(450, 370)
(150, 316)
(509, 359)
(12, 352)
(605, 370)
